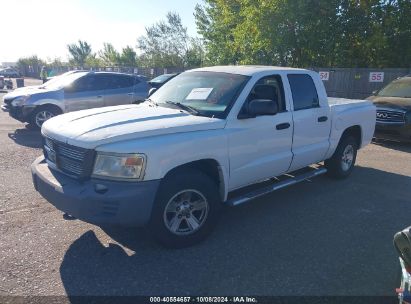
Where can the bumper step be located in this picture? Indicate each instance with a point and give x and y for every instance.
(239, 197)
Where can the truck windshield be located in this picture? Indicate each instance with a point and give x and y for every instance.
(207, 93)
(399, 88)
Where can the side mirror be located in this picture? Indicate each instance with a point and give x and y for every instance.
(151, 91)
(374, 92)
(259, 107)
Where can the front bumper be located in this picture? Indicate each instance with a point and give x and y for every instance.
(401, 132)
(20, 113)
(122, 203)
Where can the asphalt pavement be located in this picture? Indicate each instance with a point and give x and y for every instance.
(323, 237)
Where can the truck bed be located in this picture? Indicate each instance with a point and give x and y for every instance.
(333, 101)
(351, 112)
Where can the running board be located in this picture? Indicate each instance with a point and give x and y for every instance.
(290, 180)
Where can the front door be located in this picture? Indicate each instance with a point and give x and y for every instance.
(85, 93)
(120, 90)
(260, 147)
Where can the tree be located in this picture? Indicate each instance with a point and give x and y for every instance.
(93, 61)
(79, 52)
(109, 55)
(195, 53)
(167, 44)
(128, 57)
(215, 22)
(30, 65)
(306, 33)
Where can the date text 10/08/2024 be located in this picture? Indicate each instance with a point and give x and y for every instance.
(203, 300)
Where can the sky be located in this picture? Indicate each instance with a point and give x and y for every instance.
(45, 27)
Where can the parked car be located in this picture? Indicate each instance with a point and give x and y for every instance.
(9, 72)
(394, 110)
(1, 82)
(161, 80)
(208, 137)
(73, 92)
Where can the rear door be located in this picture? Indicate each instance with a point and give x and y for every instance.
(85, 93)
(120, 89)
(312, 122)
(141, 88)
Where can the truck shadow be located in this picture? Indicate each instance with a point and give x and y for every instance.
(26, 137)
(323, 237)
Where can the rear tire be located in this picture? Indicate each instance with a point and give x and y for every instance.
(186, 209)
(41, 114)
(341, 164)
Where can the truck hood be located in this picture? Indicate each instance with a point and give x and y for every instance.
(398, 103)
(95, 127)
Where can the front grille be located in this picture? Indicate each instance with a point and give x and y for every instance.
(73, 154)
(390, 116)
(74, 161)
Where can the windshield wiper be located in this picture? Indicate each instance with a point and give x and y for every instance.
(187, 108)
(151, 101)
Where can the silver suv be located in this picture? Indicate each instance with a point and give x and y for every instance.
(73, 92)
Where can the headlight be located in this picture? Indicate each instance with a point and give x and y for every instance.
(19, 101)
(119, 166)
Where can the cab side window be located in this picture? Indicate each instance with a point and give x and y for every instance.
(269, 87)
(89, 83)
(304, 91)
(120, 81)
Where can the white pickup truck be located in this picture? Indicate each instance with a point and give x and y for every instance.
(210, 136)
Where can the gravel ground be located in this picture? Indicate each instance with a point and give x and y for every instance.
(323, 237)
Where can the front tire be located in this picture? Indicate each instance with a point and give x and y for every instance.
(341, 164)
(186, 209)
(42, 114)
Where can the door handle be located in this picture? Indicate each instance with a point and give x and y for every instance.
(322, 118)
(282, 126)
(130, 94)
(99, 96)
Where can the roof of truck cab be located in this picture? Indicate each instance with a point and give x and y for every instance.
(247, 70)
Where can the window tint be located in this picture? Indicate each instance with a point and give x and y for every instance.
(269, 87)
(89, 83)
(120, 81)
(304, 91)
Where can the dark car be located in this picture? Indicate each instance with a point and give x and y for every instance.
(393, 104)
(160, 80)
(9, 72)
